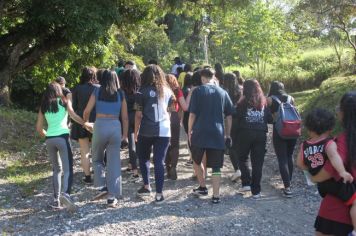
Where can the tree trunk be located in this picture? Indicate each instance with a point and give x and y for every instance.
(5, 77)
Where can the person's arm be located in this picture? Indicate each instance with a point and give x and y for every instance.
(89, 108)
(191, 121)
(39, 124)
(228, 122)
(124, 119)
(138, 119)
(321, 176)
(183, 103)
(336, 161)
(72, 114)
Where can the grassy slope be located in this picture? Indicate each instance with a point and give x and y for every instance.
(327, 96)
(21, 151)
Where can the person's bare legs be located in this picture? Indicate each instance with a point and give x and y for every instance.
(321, 234)
(215, 180)
(200, 172)
(84, 155)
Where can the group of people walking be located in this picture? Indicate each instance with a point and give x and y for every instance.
(221, 114)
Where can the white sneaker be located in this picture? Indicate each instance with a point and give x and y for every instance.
(235, 176)
(245, 189)
(257, 196)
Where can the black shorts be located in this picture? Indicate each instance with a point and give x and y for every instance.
(344, 191)
(331, 227)
(214, 157)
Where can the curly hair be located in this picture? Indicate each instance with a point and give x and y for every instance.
(319, 121)
(253, 95)
(153, 75)
(130, 81)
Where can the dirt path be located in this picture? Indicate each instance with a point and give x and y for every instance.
(181, 214)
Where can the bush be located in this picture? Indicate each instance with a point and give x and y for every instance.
(302, 72)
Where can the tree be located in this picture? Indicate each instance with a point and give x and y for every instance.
(332, 14)
(255, 35)
(29, 29)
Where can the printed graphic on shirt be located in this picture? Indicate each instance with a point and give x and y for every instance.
(314, 155)
(255, 116)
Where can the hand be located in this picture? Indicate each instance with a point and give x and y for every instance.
(347, 177)
(228, 142)
(89, 126)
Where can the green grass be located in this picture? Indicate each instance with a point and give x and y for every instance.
(327, 96)
(22, 151)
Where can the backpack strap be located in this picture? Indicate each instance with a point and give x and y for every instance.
(289, 99)
(276, 99)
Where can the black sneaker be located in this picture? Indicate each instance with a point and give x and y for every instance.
(287, 192)
(159, 199)
(215, 200)
(112, 202)
(201, 191)
(102, 193)
(144, 191)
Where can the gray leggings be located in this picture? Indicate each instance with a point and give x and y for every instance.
(107, 136)
(55, 145)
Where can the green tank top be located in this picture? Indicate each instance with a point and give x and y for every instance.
(57, 122)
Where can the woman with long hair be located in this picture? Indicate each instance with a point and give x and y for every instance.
(283, 148)
(219, 73)
(252, 116)
(110, 105)
(130, 83)
(334, 215)
(152, 126)
(235, 93)
(54, 110)
(173, 150)
(80, 96)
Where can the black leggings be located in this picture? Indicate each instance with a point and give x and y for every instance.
(233, 150)
(284, 149)
(173, 150)
(251, 142)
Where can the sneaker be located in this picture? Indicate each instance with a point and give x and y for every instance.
(215, 200)
(173, 174)
(66, 200)
(87, 180)
(245, 188)
(144, 191)
(256, 196)
(236, 176)
(56, 205)
(201, 191)
(159, 199)
(135, 178)
(112, 202)
(287, 192)
(102, 193)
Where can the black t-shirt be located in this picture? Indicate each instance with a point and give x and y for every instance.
(314, 155)
(209, 103)
(66, 91)
(252, 118)
(80, 96)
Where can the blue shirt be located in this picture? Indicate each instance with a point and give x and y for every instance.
(210, 104)
(105, 107)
